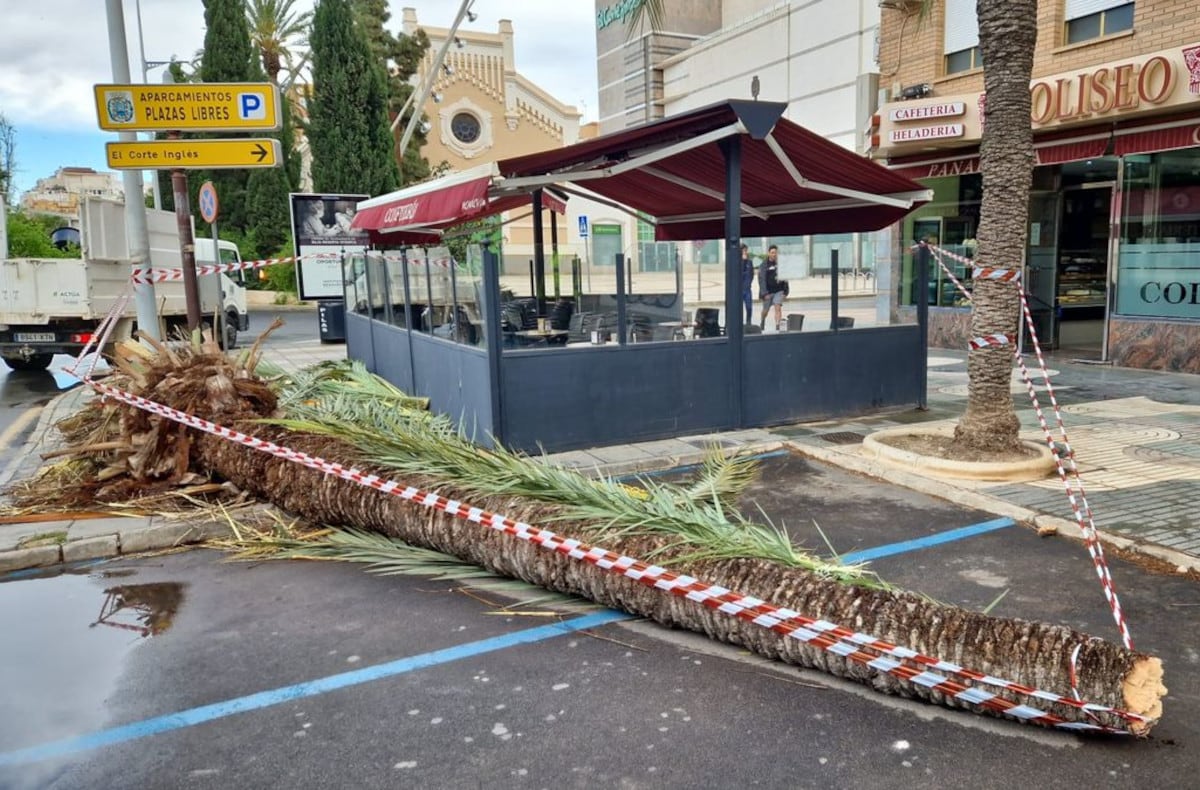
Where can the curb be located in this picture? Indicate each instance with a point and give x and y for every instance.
(1036, 468)
(140, 538)
(1043, 523)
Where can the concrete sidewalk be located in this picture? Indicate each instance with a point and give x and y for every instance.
(1136, 435)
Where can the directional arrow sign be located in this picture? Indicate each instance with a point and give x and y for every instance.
(188, 107)
(194, 154)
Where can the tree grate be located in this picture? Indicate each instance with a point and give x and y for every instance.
(843, 437)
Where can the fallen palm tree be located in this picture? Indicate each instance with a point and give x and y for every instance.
(821, 615)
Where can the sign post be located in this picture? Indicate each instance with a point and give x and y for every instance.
(209, 210)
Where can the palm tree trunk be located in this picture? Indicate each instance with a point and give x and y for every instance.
(1034, 654)
(1007, 36)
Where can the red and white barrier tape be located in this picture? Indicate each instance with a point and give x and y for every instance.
(1081, 509)
(157, 275)
(1003, 275)
(932, 672)
(991, 341)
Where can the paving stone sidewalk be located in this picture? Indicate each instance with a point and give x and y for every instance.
(1136, 435)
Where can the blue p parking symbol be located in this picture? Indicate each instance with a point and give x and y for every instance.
(252, 106)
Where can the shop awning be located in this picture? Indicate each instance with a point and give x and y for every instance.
(794, 182)
(1161, 135)
(420, 213)
(1055, 149)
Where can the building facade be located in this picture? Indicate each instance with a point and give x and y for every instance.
(61, 193)
(482, 109)
(1114, 225)
(818, 56)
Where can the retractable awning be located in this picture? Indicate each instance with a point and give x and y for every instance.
(793, 182)
(421, 213)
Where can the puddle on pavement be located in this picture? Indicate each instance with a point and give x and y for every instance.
(66, 640)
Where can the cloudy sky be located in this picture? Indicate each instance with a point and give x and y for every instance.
(53, 51)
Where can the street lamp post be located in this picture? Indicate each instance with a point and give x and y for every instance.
(134, 182)
(146, 66)
(419, 96)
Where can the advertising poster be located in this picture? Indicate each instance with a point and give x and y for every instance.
(321, 224)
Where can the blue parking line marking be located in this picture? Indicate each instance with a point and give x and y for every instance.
(309, 688)
(937, 539)
(691, 467)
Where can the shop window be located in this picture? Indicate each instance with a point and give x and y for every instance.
(961, 37)
(950, 222)
(1089, 19)
(963, 60)
(1160, 235)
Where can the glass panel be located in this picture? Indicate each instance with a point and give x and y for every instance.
(1118, 19)
(354, 277)
(420, 289)
(1157, 269)
(1084, 28)
(469, 297)
(377, 287)
(394, 265)
(654, 299)
(963, 60)
(949, 222)
(440, 314)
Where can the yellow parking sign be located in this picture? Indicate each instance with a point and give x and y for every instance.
(188, 107)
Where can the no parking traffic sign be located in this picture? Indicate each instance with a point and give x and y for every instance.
(209, 206)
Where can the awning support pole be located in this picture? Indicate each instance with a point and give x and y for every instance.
(539, 254)
(494, 339)
(554, 252)
(731, 150)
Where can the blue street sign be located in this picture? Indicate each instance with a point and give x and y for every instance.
(583, 227)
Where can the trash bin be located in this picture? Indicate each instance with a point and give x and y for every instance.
(331, 320)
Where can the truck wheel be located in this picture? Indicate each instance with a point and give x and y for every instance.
(35, 363)
(229, 333)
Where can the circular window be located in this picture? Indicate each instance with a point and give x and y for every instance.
(465, 127)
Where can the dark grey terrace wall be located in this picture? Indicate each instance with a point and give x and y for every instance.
(819, 375)
(586, 397)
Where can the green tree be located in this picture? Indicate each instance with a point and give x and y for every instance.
(228, 57)
(348, 120)
(401, 55)
(29, 236)
(276, 31)
(267, 207)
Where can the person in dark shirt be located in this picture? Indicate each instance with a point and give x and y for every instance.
(771, 289)
(747, 283)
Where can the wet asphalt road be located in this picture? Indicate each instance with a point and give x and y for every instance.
(626, 704)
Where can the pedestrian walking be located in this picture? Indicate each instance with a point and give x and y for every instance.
(771, 289)
(747, 283)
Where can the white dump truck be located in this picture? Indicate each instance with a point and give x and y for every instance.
(53, 306)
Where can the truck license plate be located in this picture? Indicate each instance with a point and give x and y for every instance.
(34, 337)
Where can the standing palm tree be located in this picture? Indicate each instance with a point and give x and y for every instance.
(275, 27)
(1007, 37)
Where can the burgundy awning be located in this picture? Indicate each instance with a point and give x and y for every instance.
(794, 182)
(1159, 135)
(419, 214)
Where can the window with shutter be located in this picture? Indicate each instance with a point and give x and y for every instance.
(1088, 19)
(961, 37)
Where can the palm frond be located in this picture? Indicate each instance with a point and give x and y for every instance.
(382, 555)
(696, 521)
